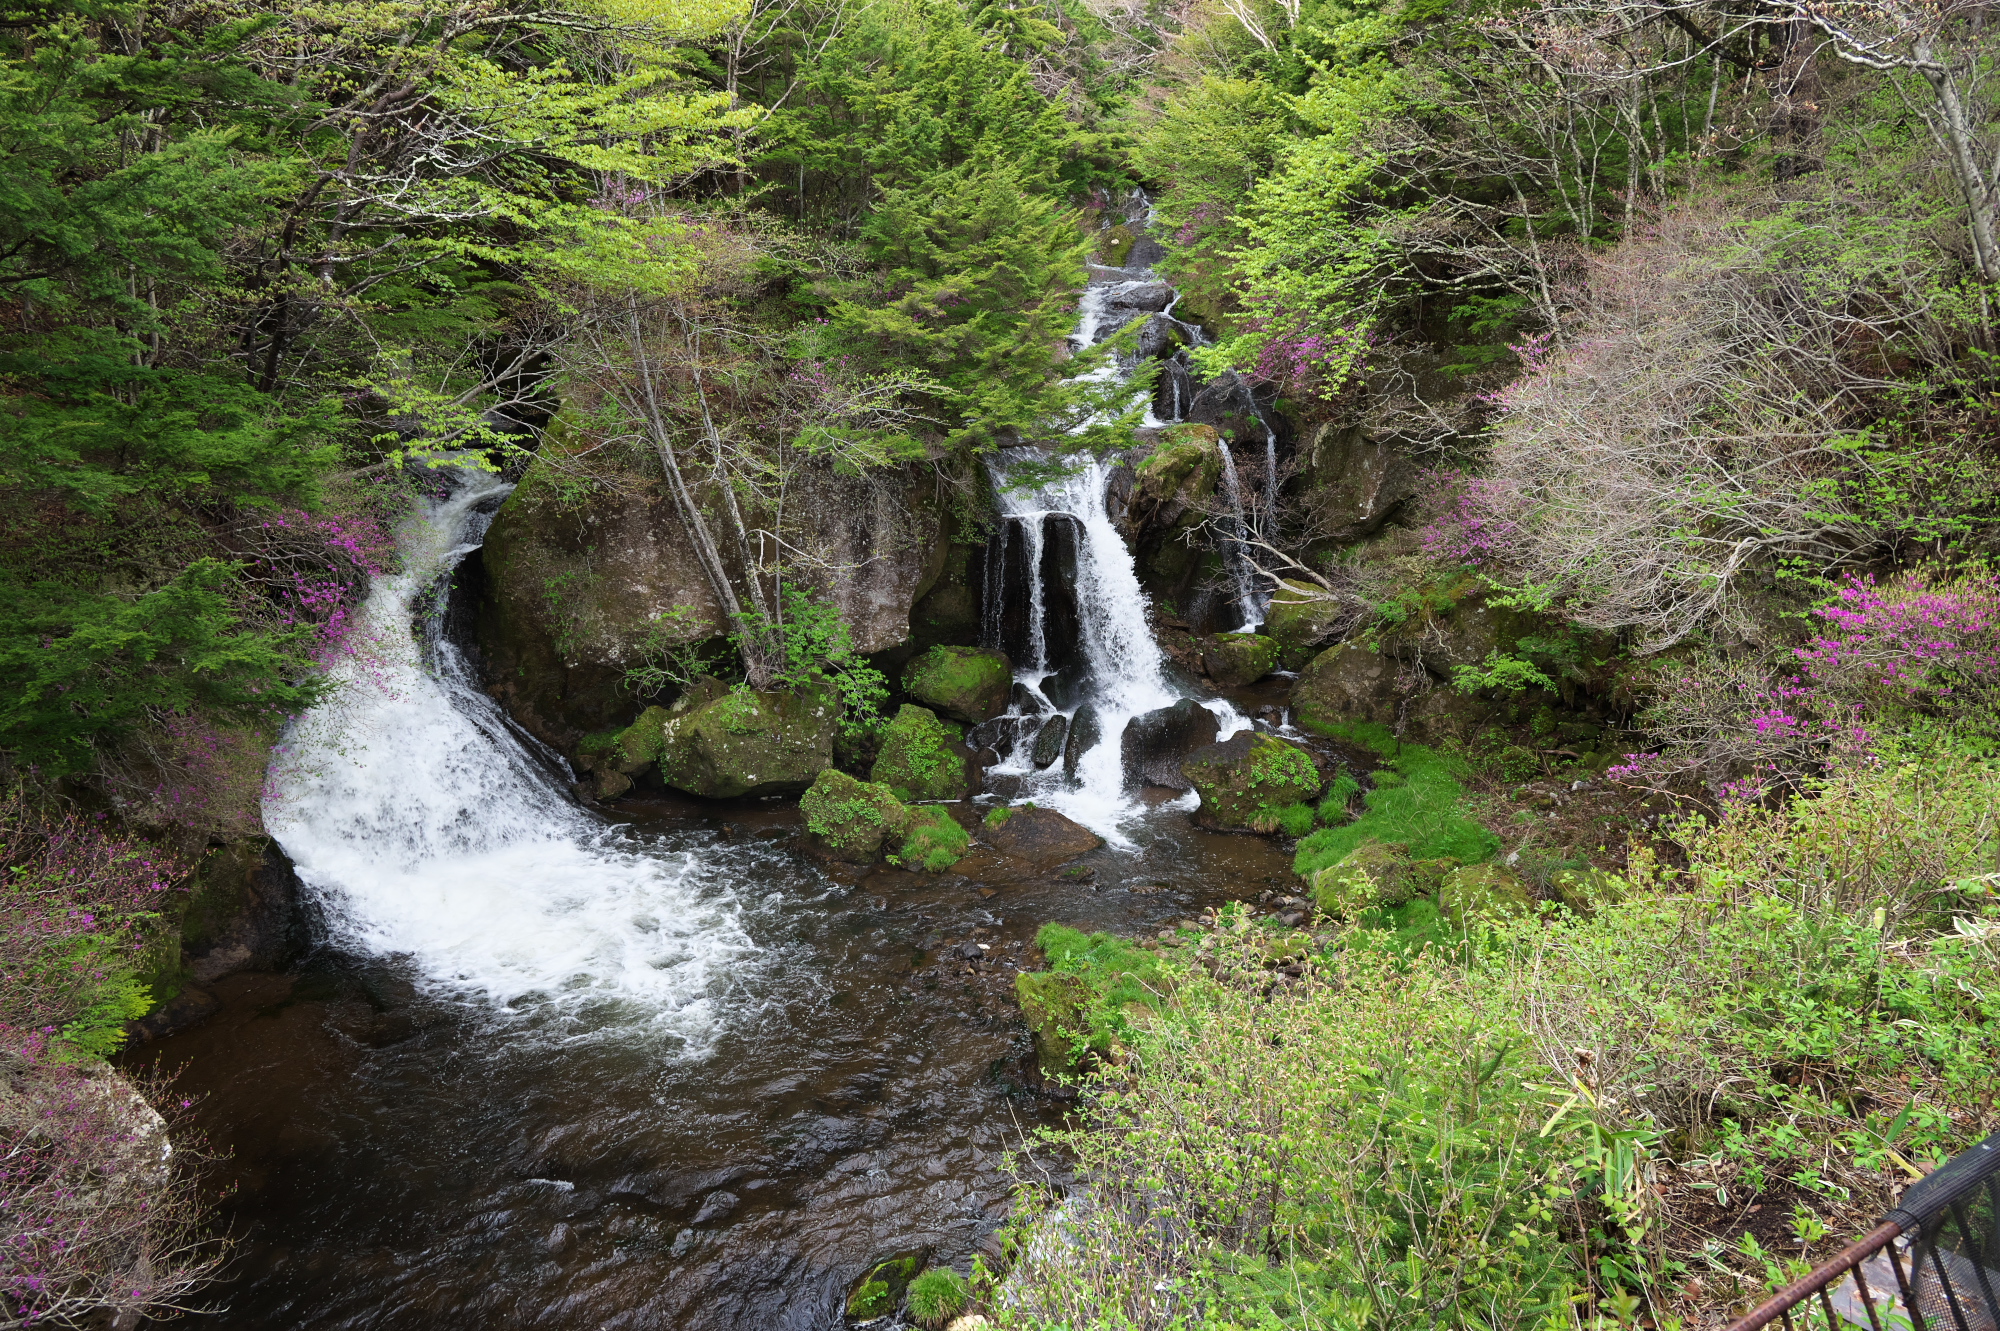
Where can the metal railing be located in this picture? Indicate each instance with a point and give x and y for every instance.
(1933, 1262)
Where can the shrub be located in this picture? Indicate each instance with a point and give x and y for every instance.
(938, 1295)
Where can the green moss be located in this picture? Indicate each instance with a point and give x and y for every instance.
(968, 684)
(1249, 779)
(852, 817)
(999, 816)
(932, 841)
(938, 1295)
(1112, 975)
(922, 757)
(1114, 246)
(1417, 801)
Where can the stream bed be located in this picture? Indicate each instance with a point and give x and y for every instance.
(405, 1158)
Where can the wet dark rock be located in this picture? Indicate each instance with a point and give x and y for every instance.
(1062, 620)
(1049, 742)
(1023, 700)
(1042, 838)
(1086, 729)
(717, 1206)
(1069, 686)
(1155, 743)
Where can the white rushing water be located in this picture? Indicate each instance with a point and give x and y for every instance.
(426, 829)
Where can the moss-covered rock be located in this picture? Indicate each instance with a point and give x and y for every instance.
(968, 684)
(1369, 877)
(1347, 683)
(1301, 614)
(932, 841)
(1483, 891)
(1587, 891)
(1245, 781)
(1114, 245)
(723, 743)
(1236, 659)
(851, 820)
(1052, 1001)
(924, 758)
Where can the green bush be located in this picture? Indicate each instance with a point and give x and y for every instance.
(938, 1295)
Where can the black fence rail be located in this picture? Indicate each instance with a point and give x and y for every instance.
(1933, 1264)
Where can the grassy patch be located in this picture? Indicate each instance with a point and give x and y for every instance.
(1418, 800)
(932, 841)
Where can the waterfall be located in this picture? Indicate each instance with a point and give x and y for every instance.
(1239, 567)
(426, 830)
(1122, 672)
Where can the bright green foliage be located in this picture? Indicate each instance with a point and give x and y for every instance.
(1417, 803)
(80, 669)
(1295, 820)
(1114, 976)
(933, 841)
(938, 1295)
(817, 646)
(1500, 671)
(923, 758)
(854, 818)
(1340, 793)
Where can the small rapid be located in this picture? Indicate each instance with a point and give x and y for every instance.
(425, 828)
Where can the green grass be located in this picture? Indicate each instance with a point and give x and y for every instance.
(938, 1295)
(1115, 975)
(932, 841)
(1417, 800)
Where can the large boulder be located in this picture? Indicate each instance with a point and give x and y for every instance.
(1050, 741)
(1086, 731)
(1155, 743)
(1302, 614)
(1235, 659)
(861, 822)
(849, 819)
(1351, 682)
(968, 684)
(724, 743)
(1041, 838)
(1484, 891)
(1374, 875)
(923, 758)
(1247, 779)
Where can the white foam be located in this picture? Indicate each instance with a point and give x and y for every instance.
(425, 829)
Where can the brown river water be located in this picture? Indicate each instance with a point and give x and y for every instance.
(405, 1159)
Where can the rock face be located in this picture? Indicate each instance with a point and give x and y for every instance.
(1042, 838)
(570, 591)
(722, 743)
(1086, 730)
(1246, 779)
(1301, 615)
(923, 758)
(1172, 489)
(1156, 743)
(1050, 741)
(1235, 659)
(967, 684)
(1024, 556)
(1353, 483)
(240, 915)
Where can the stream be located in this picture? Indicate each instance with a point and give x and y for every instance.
(651, 1066)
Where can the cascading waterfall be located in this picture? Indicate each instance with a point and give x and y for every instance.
(426, 830)
(1122, 670)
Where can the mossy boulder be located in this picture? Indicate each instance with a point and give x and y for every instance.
(850, 819)
(924, 758)
(1247, 780)
(1052, 1001)
(1346, 683)
(1587, 891)
(1483, 891)
(1301, 614)
(932, 841)
(967, 684)
(1236, 659)
(724, 743)
(1371, 876)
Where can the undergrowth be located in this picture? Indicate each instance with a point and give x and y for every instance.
(1417, 800)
